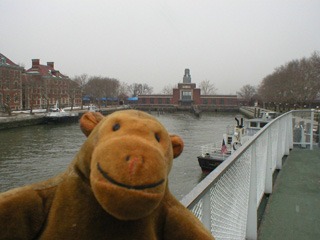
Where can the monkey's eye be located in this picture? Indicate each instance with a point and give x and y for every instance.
(157, 137)
(116, 127)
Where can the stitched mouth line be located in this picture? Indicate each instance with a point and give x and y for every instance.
(139, 187)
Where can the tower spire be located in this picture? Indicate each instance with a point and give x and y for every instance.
(187, 76)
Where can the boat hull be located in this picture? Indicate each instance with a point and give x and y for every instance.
(61, 119)
(208, 164)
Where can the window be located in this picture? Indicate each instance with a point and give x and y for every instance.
(168, 100)
(221, 101)
(16, 98)
(7, 98)
(152, 100)
(253, 124)
(15, 85)
(160, 100)
(205, 101)
(8, 84)
(186, 95)
(229, 101)
(143, 100)
(213, 101)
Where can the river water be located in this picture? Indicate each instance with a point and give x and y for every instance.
(32, 154)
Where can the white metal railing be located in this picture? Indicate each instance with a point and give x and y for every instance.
(214, 148)
(226, 201)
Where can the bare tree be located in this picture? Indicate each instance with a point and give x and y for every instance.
(46, 90)
(296, 82)
(247, 92)
(136, 89)
(313, 76)
(102, 87)
(45, 95)
(95, 87)
(123, 89)
(72, 90)
(5, 101)
(82, 80)
(7, 95)
(207, 88)
(30, 89)
(168, 89)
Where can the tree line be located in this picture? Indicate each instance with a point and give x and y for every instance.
(99, 87)
(294, 83)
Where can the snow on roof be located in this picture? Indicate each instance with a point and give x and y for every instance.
(7, 61)
(46, 71)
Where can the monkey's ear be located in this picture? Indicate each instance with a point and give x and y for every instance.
(177, 145)
(89, 120)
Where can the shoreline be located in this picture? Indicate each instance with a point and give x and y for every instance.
(26, 119)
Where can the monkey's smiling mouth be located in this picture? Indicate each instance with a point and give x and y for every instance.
(139, 187)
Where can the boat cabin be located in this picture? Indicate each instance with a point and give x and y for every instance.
(255, 124)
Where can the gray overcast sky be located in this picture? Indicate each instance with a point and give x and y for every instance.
(230, 43)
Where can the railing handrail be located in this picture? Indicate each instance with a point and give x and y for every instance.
(209, 180)
(226, 201)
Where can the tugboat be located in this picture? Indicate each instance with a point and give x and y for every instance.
(213, 154)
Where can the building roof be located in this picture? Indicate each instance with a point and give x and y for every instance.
(45, 70)
(7, 61)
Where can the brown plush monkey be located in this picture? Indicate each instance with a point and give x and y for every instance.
(115, 188)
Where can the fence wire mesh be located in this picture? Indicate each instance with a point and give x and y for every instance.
(261, 160)
(229, 201)
(228, 193)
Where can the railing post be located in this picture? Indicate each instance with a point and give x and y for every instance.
(269, 179)
(252, 225)
(290, 131)
(279, 147)
(206, 211)
(287, 141)
(311, 129)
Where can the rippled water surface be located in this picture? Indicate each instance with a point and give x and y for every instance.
(32, 154)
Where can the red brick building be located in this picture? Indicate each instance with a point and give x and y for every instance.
(187, 94)
(10, 85)
(45, 87)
